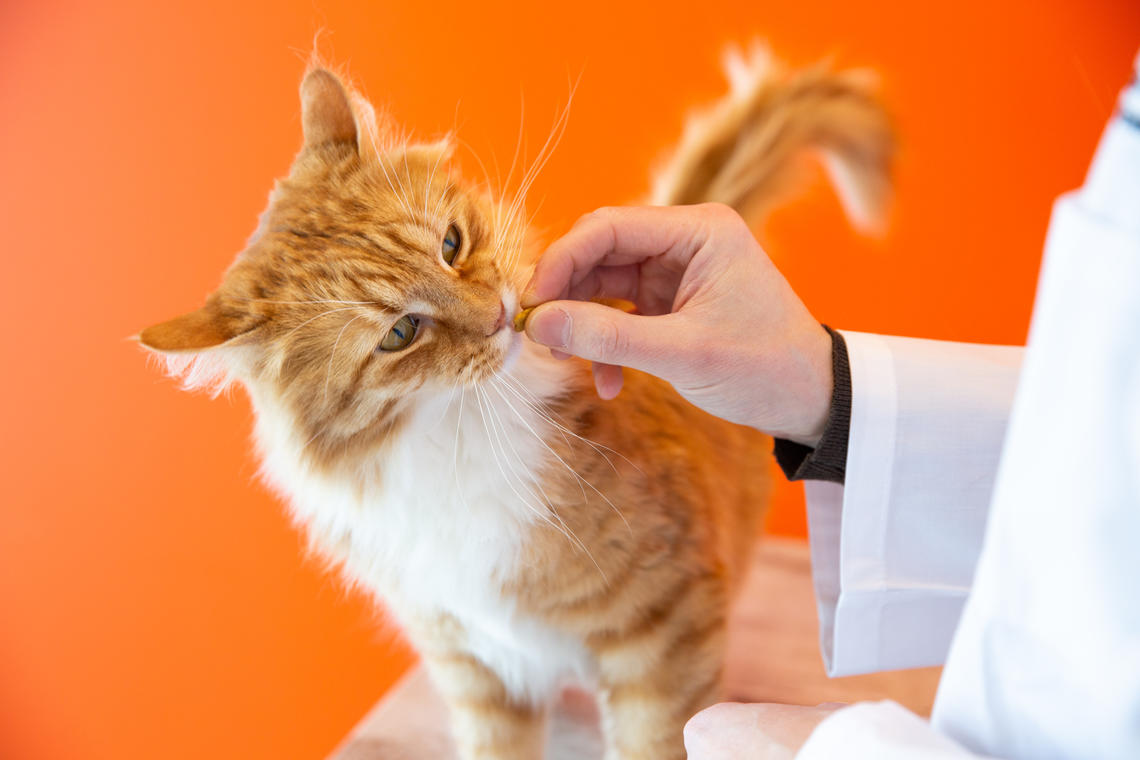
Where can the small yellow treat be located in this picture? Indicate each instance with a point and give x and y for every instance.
(520, 319)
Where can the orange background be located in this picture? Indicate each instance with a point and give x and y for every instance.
(154, 600)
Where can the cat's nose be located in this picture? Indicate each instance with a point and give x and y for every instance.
(501, 322)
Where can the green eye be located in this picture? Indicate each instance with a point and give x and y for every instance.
(401, 335)
(451, 243)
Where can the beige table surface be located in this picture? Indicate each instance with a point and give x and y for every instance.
(773, 657)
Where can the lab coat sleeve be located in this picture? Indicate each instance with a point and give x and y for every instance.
(894, 548)
(879, 731)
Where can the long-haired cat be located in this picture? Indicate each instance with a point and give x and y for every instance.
(524, 532)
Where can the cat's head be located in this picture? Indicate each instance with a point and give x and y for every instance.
(375, 278)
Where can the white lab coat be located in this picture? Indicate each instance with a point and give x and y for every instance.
(1017, 565)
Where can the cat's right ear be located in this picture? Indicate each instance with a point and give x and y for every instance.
(208, 327)
(326, 110)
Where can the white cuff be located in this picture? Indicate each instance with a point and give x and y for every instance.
(893, 550)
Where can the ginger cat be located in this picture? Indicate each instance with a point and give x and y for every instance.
(524, 532)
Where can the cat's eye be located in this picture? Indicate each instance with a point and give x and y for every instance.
(401, 335)
(451, 243)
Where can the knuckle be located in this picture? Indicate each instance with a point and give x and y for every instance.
(724, 220)
(720, 213)
(600, 213)
(607, 341)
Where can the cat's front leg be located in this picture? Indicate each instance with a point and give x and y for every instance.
(650, 686)
(487, 722)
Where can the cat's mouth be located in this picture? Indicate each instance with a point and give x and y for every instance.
(513, 348)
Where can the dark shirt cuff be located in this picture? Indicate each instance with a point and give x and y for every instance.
(828, 460)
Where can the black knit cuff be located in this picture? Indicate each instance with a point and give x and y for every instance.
(828, 460)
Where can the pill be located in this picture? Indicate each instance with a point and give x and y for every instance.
(520, 319)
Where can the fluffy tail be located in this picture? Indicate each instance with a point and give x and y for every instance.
(744, 150)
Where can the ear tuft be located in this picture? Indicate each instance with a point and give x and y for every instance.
(436, 152)
(326, 112)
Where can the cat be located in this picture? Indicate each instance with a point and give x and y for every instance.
(524, 532)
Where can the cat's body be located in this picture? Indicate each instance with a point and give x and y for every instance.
(526, 533)
(634, 567)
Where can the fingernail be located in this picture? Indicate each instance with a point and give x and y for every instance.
(528, 298)
(550, 327)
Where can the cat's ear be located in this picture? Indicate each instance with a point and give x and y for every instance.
(208, 327)
(326, 110)
(333, 113)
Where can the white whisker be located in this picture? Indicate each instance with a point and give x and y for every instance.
(561, 526)
(574, 472)
(442, 197)
(541, 408)
(395, 187)
(322, 314)
(319, 300)
(408, 187)
(328, 371)
(482, 166)
(430, 179)
(547, 150)
(455, 452)
(546, 498)
(518, 141)
(577, 478)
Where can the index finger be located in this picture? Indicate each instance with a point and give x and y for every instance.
(613, 237)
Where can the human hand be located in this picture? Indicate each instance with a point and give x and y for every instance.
(731, 731)
(716, 319)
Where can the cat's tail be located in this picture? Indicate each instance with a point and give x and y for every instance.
(745, 150)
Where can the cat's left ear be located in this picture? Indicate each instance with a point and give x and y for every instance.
(326, 110)
(331, 113)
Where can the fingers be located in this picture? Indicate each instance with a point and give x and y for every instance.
(618, 237)
(608, 336)
(608, 380)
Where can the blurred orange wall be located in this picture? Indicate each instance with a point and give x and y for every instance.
(154, 599)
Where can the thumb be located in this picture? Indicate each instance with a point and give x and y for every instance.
(604, 334)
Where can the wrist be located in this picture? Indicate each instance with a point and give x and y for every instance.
(818, 388)
(826, 458)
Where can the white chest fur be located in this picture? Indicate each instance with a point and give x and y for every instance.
(441, 521)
